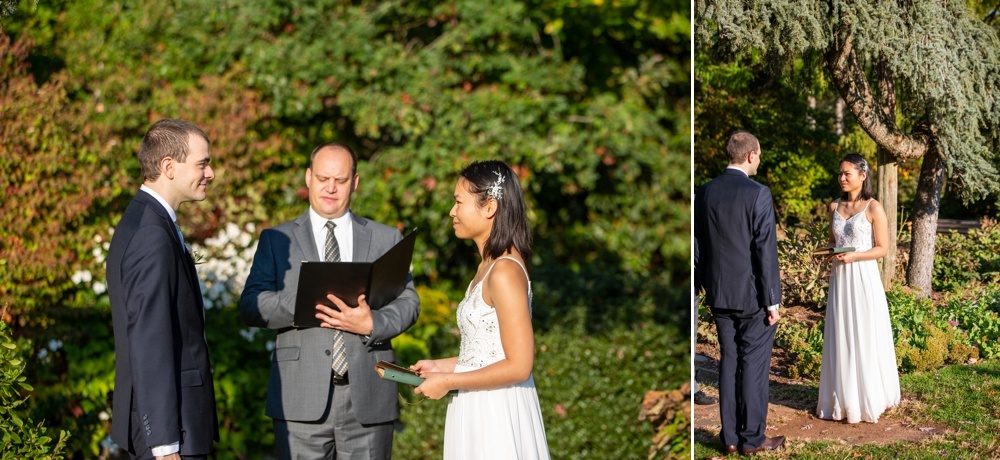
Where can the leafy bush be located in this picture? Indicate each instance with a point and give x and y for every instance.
(924, 338)
(963, 258)
(978, 313)
(20, 437)
(804, 344)
(590, 388)
(591, 130)
(804, 277)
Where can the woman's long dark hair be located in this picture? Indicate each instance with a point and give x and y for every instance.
(861, 164)
(494, 180)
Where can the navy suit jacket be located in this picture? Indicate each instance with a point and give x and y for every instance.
(301, 371)
(163, 379)
(736, 249)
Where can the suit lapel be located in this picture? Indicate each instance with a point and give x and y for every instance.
(362, 239)
(304, 238)
(188, 261)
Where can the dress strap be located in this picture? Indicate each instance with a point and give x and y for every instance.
(866, 204)
(511, 258)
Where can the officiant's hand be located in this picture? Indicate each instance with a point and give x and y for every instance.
(435, 385)
(351, 319)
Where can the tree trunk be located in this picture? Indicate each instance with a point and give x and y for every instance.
(888, 171)
(888, 186)
(925, 216)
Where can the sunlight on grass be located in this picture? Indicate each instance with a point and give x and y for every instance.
(964, 398)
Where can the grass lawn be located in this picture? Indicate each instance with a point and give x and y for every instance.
(964, 398)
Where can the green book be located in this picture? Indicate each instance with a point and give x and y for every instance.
(831, 251)
(390, 371)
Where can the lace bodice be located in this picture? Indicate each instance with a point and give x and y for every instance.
(854, 231)
(480, 327)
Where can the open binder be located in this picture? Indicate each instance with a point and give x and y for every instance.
(381, 281)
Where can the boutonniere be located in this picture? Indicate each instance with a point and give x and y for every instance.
(195, 255)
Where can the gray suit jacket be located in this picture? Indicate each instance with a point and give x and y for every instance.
(301, 363)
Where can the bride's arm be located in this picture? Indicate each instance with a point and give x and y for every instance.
(506, 289)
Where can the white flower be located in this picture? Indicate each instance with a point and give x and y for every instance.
(81, 276)
(100, 288)
(103, 415)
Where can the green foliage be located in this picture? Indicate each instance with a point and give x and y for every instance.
(588, 102)
(800, 151)
(804, 344)
(804, 277)
(942, 80)
(45, 194)
(925, 340)
(20, 437)
(963, 258)
(435, 329)
(590, 389)
(977, 312)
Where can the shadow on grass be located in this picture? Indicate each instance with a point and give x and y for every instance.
(798, 396)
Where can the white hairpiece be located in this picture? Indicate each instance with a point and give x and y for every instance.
(495, 191)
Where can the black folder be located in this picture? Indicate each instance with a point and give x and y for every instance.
(381, 281)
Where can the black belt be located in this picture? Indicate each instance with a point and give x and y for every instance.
(340, 380)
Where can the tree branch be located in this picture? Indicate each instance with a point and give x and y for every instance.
(852, 84)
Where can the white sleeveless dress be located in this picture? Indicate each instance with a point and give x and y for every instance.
(505, 423)
(858, 378)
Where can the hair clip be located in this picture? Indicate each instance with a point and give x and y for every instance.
(495, 191)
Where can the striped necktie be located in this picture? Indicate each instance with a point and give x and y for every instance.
(332, 254)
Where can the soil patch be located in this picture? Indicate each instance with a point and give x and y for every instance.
(793, 404)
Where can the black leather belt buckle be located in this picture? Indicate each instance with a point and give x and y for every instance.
(340, 380)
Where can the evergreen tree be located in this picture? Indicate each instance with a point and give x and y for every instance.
(920, 77)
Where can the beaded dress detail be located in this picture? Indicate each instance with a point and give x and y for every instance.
(499, 423)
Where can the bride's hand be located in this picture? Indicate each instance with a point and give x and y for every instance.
(847, 257)
(426, 365)
(435, 385)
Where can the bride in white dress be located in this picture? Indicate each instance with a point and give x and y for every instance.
(495, 413)
(858, 378)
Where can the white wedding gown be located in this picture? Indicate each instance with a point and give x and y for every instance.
(858, 379)
(504, 423)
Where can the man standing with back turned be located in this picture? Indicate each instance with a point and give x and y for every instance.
(737, 266)
(324, 395)
(164, 403)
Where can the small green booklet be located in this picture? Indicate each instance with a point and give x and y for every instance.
(390, 371)
(831, 251)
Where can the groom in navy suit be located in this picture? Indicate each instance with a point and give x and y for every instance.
(736, 264)
(164, 403)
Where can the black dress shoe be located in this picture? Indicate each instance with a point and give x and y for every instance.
(731, 449)
(769, 444)
(702, 399)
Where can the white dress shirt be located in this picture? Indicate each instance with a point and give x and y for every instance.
(344, 233)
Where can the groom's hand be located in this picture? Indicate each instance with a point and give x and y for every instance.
(772, 317)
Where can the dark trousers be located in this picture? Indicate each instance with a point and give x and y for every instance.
(745, 342)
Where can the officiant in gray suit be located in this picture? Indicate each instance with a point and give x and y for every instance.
(324, 396)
